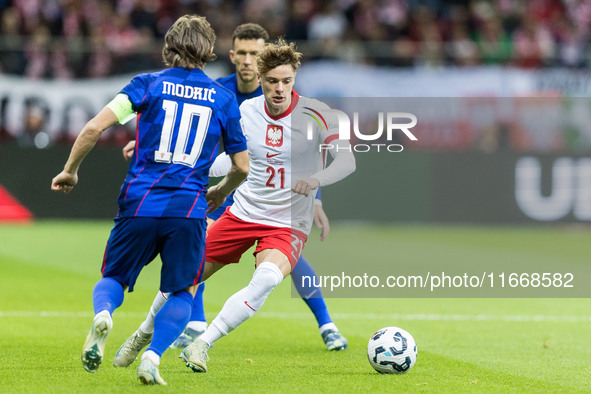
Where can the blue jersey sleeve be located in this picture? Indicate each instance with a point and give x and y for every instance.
(137, 91)
(232, 134)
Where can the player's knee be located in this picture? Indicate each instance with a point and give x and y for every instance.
(266, 277)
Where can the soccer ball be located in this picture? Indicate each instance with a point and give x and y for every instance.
(392, 350)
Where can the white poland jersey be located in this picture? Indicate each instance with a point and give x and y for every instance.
(282, 149)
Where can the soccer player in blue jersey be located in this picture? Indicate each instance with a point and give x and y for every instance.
(182, 114)
(247, 40)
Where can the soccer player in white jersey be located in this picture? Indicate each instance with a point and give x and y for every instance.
(274, 207)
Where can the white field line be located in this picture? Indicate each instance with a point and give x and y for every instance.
(336, 316)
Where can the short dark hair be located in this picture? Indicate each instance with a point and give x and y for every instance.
(250, 31)
(189, 43)
(277, 54)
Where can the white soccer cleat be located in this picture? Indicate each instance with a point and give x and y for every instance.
(334, 340)
(195, 355)
(148, 373)
(130, 349)
(186, 338)
(94, 347)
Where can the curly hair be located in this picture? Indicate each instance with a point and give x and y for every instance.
(277, 54)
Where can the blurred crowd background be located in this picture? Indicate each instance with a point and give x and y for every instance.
(501, 90)
(70, 39)
(59, 60)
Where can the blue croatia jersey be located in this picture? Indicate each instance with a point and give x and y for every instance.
(181, 116)
(231, 83)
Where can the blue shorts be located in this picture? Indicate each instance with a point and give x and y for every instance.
(135, 242)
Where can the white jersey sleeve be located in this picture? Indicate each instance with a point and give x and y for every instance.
(221, 165)
(343, 163)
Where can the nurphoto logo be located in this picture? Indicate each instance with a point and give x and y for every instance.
(395, 122)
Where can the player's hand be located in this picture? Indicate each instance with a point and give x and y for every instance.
(128, 150)
(321, 221)
(215, 198)
(304, 186)
(64, 182)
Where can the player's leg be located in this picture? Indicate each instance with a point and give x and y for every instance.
(227, 240)
(183, 246)
(197, 324)
(271, 267)
(239, 307)
(305, 279)
(198, 321)
(130, 349)
(168, 325)
(128, 250)
(106, 297)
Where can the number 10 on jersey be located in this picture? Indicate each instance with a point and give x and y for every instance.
(183, 131)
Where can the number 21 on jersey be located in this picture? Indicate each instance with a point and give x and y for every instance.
(280, 173)
(181, 125)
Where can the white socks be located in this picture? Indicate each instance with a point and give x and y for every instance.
(237, 309)
(106, 315)
(153, 357)
(327, 326)
(197, 325)
(148, 325)
(243, 304)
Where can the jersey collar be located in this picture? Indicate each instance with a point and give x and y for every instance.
(294, 101)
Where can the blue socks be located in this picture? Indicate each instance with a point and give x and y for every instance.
(311, 295)
(107, 295)
(170, 321)
(198, 312)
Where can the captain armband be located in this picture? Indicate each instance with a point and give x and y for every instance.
(121, 107)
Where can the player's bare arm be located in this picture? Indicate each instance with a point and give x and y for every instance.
(86, 140)
(321, 219)
(216, 195)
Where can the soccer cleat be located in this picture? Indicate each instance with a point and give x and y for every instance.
(130, 349)
(334, 340)
(195, 355)
(94, 347)
(148, 373)
(186, 338)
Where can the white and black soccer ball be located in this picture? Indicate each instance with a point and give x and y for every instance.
(392, 350)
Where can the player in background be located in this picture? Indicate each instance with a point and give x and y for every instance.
(274, 207)
(163, 201)
(247, 40)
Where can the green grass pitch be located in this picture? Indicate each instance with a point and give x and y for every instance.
(48, 269)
